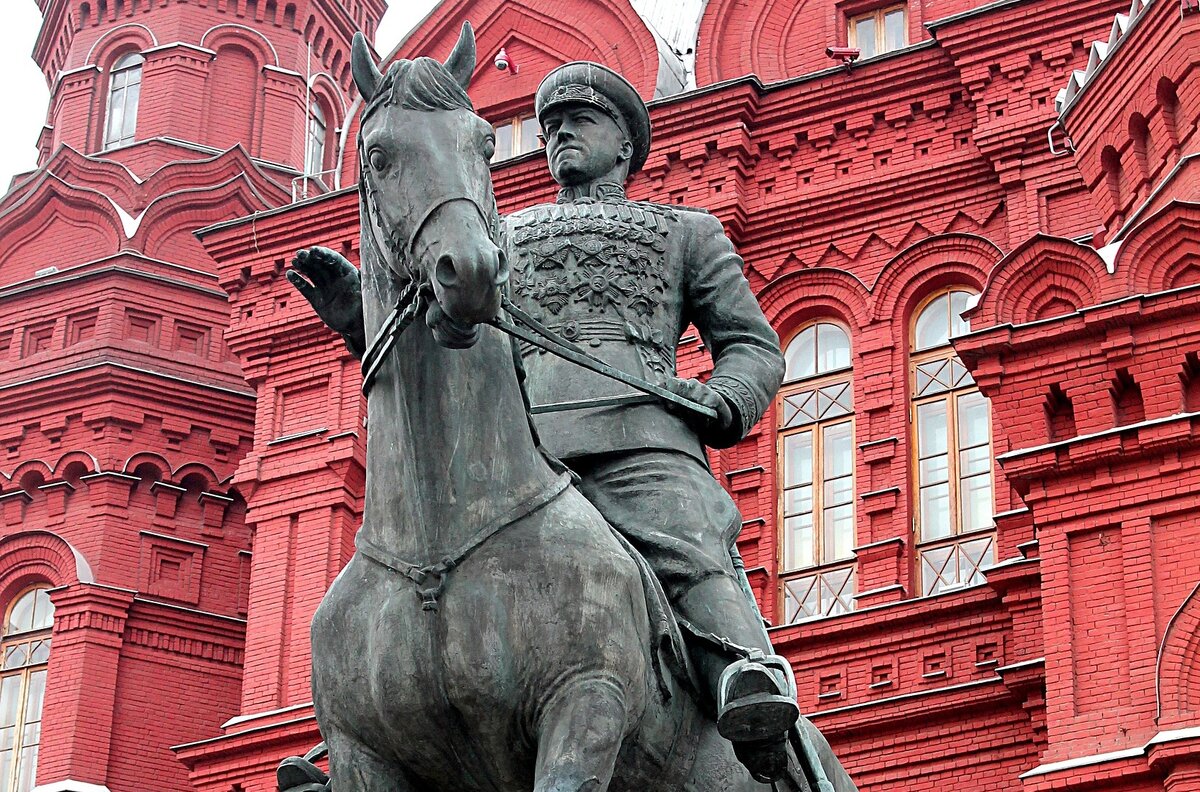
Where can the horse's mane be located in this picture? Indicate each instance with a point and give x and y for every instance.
(422, 84)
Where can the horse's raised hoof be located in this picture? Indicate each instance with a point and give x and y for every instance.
(300, 775)
(756, 703)
(766, 761)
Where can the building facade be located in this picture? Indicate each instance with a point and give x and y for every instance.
(970, 516)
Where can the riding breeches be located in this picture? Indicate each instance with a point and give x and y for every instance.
(669, 506)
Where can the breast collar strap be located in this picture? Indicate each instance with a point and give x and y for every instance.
(430, 580)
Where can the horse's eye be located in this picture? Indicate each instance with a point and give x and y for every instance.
(379, 160)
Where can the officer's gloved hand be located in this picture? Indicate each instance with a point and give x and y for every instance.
(697, 391)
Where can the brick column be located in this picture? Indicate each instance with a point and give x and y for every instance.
(77, 721)
(173, 90)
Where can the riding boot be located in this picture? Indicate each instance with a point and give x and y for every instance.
(750, 687)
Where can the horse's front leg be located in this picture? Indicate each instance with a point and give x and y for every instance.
(355, 768)
(580, 736)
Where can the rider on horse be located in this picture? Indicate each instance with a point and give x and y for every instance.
(623, 279)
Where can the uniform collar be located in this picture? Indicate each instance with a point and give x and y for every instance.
(600, 191)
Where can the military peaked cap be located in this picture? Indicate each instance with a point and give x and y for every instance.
(582, 82)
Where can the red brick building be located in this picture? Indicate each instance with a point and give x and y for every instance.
(978, 553)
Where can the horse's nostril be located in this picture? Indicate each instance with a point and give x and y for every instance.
(444, 271)
(502, 269)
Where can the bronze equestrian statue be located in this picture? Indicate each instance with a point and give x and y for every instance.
(493, 631)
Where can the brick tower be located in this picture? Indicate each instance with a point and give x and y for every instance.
(124, 549)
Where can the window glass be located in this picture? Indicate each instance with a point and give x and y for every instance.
(865, 37)
(818, 349)
(895, 33)
(25, 651)
(880, 31)
(504, 142)
(516, 136)
(314, 153)
(953, 452)
(124, 92)
(529, 135)
(817, 475)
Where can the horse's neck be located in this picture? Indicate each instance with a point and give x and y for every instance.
(450, 449)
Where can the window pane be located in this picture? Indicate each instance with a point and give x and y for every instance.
(974, 461)
(958, 304)
(43, 610)
(894, 30)
(10, 700)
(798, 500)
(504, 142)
(838, 450)
(116, 116)
(865, 36)
(975, 498)
(973, 423)
(797, 459)
(933, 325)
(529, 135)
(6, 758)
(839, 533)
(34, 696)
(20, 619)
(934, 470)
(931, 428)
(798, 542)
(833, 348)
(801, 355)
(129, 120)
(935, 511)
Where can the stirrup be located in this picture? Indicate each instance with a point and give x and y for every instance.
(752, 704)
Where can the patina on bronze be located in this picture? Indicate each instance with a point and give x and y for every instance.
(493, 631)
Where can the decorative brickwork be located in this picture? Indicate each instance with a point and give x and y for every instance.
(182, 441)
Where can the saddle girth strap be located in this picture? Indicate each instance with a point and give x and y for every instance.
(430, 580)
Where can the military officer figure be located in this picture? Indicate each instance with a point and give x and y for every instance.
(623, 279)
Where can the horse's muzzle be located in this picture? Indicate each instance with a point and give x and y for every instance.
(468, 283)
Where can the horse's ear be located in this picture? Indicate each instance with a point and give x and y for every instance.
(461, 63)
(362, 64)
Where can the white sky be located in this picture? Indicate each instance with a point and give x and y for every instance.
(23, 89)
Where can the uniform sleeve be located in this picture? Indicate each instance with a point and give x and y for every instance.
(747, 362)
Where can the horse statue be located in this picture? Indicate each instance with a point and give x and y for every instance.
(492, 633)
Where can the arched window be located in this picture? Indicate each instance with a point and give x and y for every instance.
(952, 430)
(124, 90)
(816, 470)
(26, 650)
(314, 152)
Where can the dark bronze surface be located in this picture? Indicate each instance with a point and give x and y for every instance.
(497, 630)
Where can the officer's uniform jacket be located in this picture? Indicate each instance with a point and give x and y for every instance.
(623, 279)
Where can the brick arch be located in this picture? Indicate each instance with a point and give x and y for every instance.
(606, 31)
(1178, 672)
(168, 222)
(218, 36)
(931, 264)
(83, 220)
(820, 292)
(125, 37)
(1163, 251)
(1046, 276)
(29, 557)
(772, 39)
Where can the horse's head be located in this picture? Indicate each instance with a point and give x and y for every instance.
(428, 206)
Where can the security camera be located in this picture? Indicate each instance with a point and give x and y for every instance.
(503, 63)
(846, 55)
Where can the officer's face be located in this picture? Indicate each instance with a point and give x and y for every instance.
(583, 144)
